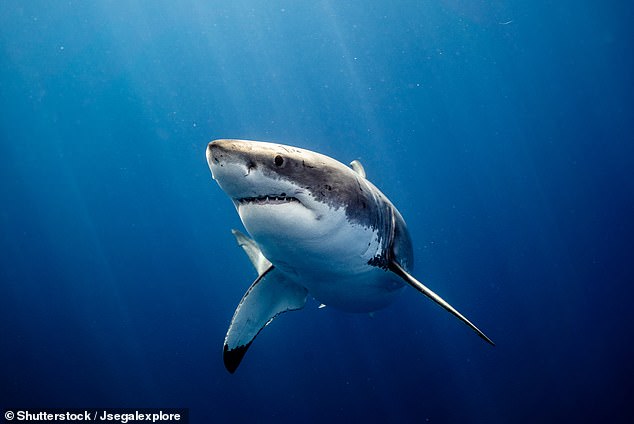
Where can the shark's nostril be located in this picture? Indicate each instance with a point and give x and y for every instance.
(212, 154)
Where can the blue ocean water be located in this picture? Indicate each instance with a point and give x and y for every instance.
(502, 131)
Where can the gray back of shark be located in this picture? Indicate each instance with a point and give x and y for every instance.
(317, 227)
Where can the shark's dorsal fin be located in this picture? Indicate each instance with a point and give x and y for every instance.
(252, 250)
(270, 295)
(357, 167)
(397, 269)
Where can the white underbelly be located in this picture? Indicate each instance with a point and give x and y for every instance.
(329, 245)
(367, 291)
(324, 252)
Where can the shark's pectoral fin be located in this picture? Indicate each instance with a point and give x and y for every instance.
(397, 269)
(270, 295)
(252, 250)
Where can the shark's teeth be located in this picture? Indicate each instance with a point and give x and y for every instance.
(264, 200)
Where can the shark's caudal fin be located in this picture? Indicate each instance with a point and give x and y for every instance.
(270, 295)
(398, 270)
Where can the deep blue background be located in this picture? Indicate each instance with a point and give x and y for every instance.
(503, 131)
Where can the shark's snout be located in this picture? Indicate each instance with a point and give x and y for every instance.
(223, 160)
(228, 151)
(232, 164)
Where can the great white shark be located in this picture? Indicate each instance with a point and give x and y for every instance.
(317, 227)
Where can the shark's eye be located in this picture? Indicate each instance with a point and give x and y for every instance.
(279, 160)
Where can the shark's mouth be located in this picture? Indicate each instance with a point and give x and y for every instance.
(267, 200)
